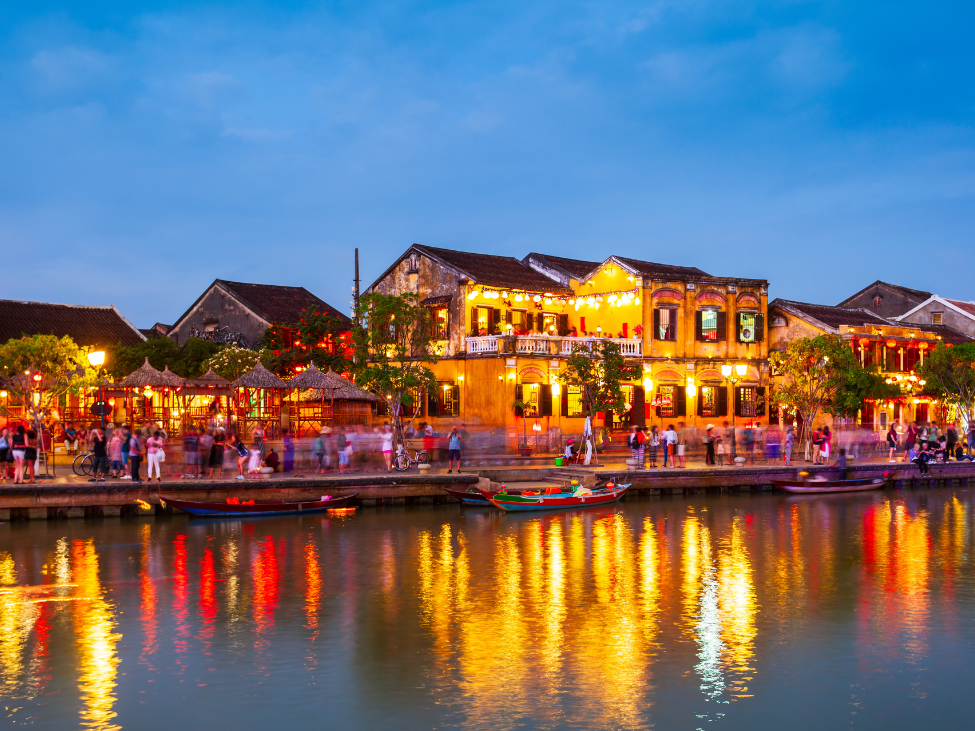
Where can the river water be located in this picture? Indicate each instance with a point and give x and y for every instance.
(734, 612)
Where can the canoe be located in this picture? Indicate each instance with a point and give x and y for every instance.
(471, 497)
(264, 507)
(559, 501)
(827, 486)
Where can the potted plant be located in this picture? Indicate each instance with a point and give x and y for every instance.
(524, 449)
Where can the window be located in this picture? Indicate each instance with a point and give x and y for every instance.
(747, 401)
(519, 320)
(937, 318)
(709, 401)
(883, 420)
(574, 401)
(444, 401)
(665, 323)
(668, 401)
(548, 323)
(537, 400)
(414, 407)
(751, 327)
(485, 321)
(709, 325)
(877, 300)
(440, 318)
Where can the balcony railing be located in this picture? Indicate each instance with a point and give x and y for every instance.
(544, 344)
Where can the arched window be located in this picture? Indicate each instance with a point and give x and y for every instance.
(877, 300)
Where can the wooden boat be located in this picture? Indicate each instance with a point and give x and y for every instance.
(830, 486)
(557, 501)
(256, 509)
(469, 497)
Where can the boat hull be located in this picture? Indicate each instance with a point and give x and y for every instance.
(468, 498)
(800, 487)
(524, 503)
(225, 510)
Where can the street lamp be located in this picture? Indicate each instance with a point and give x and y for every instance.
(97, 360)
(734, 374)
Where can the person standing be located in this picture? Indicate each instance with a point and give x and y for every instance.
(30, 454)
(891, 443)
(154, 449)
(653, 444)
(203, 446)
(18, 448)
(341, 446)
(115, 453)
(827, 445)
(453, 449)
(727, 439)
(289, 451)
(971, 438)
(257, 442)
(135, 456)
(100, 451)
(790, 442)
(636, 440)
(681, 443)
(817, 442)
(709, 440)
(910, 441)
(951, 437)
(670, 451)
(237, 444)
(387, 447)
(191, 443)
(216, 452)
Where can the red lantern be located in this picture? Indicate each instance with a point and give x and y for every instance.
(922, 345)
(891, 343)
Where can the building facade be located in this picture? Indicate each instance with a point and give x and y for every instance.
(938, 311)
(509, 326)
(885, 300)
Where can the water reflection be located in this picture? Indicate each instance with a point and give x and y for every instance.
(652, 614)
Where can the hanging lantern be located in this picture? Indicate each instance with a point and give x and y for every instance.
(922, 345)
(891, 343)
(147, 392)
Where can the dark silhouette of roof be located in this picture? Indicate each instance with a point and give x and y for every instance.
(280, 304)
(494, 271)
(948, 334)
(830, 316)
(86, 325)
(651, 269)
(575, 268)
(916, 294)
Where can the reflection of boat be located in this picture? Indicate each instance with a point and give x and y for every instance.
(469, 497)
(581, 498)
(265, 507)
(827, 486)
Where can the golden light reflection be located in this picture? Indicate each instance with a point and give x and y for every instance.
(313, 584)
(147, 595)
(94, 625)
(649, 581)
(16, 619)
(208, 598)
(267, 576)
(738, 606)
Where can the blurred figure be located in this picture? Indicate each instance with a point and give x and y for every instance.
(289, 451)
(790, 442)
(387, 446)
(891, 442)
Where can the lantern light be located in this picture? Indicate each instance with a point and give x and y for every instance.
(726, 370)
(472, 295)
(518, 298)
(741, 369)
(537, 298)
(922, 345)
(96, 357)
(891, 343)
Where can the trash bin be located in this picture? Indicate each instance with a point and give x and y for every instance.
(558, 461)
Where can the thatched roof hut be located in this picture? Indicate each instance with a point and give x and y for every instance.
(209, 382)
(311, 377)
(340, 388)
(259, 377)
(146, 375)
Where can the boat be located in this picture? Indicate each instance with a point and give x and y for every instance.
(531, 500)
(830, 486)
(469, 497)
(253, 508)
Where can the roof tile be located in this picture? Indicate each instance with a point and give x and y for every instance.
(87, 325)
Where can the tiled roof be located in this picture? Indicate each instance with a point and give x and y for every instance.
(948, 334)
(650, 269)
(577, 268)
(494, 271)
(915, 294)
(282, 305)
(968, 307)
(830, 316)
(86, 325)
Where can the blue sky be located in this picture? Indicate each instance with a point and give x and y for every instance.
(146, 150)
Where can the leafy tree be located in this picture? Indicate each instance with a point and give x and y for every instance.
(597, 369)
(232, 361)
(194, 355)
(393, 353)
(317, 337)
(40, 369)
(186, 361)
(821, 375)
(950, 374)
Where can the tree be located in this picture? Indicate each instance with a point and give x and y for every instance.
(393, 353)
(821, 374)
(41, 369)
(194, 356)
(596, 369)
(187, 361)
(950, 374)
(232, 361)
(317, 337)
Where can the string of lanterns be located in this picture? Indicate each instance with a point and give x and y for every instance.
(619, 298)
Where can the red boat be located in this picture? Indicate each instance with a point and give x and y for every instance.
(253, 508)
(581, 498)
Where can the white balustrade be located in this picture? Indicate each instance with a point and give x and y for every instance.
(549, 345)
(482, 344)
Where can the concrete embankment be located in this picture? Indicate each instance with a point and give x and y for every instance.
(75, 500)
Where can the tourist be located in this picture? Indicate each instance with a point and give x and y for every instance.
(453, 449)
(387, 447)
(790, 442)
(748, 441)
(216, 452)
(817, 442)
(921, 457)
(635, 441)
(652, 444)
(910, 441)
(824, 450)
(70, 438)
(4, 453)
(343, 447)
(709, 439)
(257, 441)
(669, 442)
(681, 443)
(203, 446)
(272, 460)
(154, 450)
(922, 436)
(322, 450)
(951, 438)
(960, 455)
(18, 447)
(100, 451)
(941, 449)
(115, 453)
(135, 456)
(726, 441)
(971, 439)
(891, 443)
(237, 444)
(191, 443)
(773, 440)
(289, 452)
(254, 459)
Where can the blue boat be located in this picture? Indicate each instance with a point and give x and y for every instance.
(255, 509)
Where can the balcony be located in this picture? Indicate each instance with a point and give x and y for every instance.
(547, 345)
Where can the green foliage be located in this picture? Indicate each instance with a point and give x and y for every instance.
(232, 361)
(597, 369)
(318, 338)
(62, 365)
(187, 361)
(393, 350)
(950, 375)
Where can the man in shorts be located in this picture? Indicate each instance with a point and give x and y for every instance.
(724, 446)
(681, 444)
(453, 449)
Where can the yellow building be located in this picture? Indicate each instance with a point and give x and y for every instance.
(509, 325)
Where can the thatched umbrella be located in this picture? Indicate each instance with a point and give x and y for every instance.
(173, 379)
(346, 390)
(146, 375)
(210, 378)
(311, 377)
(259, 377)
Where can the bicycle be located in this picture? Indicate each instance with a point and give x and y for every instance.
(83, 464)
(403, 461)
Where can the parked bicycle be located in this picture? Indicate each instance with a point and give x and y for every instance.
(83, 464)
(404, 460)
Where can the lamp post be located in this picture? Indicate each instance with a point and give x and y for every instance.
(97, 359)
(734, 374)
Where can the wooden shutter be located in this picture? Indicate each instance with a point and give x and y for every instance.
(474, 331)
(639, 410)
(520, 396)
(698, 325)
(680, 396)
(565, 400)
(433, 403)
(656, 324)
(495, 321)
(759, 328)
(722, 326)
(529, 321)
(546, 404)
(509, 316)
(700, 400)
(737, 400)
(738, 316)
(455, 411)
(722, 401)
(760, 401)
(563, 325)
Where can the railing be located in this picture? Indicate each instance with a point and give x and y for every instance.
(545, 344)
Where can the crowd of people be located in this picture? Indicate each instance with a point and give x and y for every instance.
(924, 443)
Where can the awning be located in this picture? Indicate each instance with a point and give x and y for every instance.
(441, 300)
